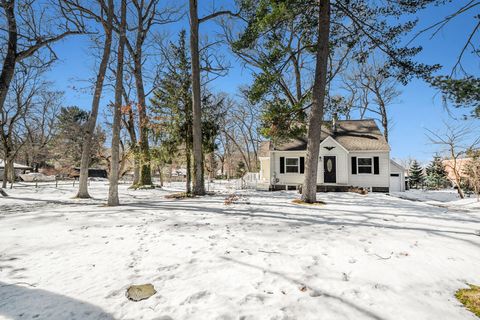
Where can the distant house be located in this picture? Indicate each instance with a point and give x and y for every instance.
(92, 173)
(353, 153)
(19, 168)
(459, 165)
(16, 166)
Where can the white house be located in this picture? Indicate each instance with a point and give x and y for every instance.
(353, 153)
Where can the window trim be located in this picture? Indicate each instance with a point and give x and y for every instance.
(365, 166)
(298, 165)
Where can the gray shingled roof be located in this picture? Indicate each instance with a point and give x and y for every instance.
(353, 135)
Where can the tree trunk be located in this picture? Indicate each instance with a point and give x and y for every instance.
(8, 166)
(11, 172)
(198, 179)
(458, 178)
(211, 158)
(130, 124)
(384, 122)
(145, 169)
(9, 62)
(188, 176)
(113, 188)
(92, 120)
(383, 113)
(309, 190)
(5, 173)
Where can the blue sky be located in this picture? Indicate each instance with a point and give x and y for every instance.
(419, 107)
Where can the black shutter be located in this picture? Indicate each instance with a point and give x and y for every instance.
(282, 164)
(302, 164)
(376, 167)
(354, 165)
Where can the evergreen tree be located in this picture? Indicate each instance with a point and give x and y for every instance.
(67, 142)
(436, 174)
(416, 174)
(463, 93)
(171, 105)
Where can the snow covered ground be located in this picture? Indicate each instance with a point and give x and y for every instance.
(263, 257)
(447, 198)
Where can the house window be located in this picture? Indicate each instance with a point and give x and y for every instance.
(365, 165)
(291, 165)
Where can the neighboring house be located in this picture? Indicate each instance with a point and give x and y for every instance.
(353, 153)
(19, 168)
(458, 166)
(92, 173)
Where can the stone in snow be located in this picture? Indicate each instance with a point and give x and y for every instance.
(140, 292)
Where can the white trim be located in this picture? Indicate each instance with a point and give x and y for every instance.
(298, 165)
(372, 166)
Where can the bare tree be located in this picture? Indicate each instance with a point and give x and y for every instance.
(195, 21)
(41, 126)
(375, 90)
(455, 142)
(103, 13)
(240, 126)
(114, 167)
(25, 88)
(146, 15)
(26, 39)
(28, 32)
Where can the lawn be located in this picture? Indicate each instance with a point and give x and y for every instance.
(260, 256)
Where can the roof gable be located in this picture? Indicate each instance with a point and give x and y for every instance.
(330, 138)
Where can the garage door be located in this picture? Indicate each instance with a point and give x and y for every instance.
(395, 182)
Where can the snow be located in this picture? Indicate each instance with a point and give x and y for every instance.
(447, 198)
(263, 257)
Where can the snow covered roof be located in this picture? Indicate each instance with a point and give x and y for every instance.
(16, 166)
(353, 135)
(395, 167)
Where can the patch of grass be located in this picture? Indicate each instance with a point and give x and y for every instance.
(179, 195)
(470, 298)
(317, 203)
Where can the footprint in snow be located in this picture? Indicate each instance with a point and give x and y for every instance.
(196, 297)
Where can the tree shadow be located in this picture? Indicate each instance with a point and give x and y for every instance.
(22, 302)
(314, 292)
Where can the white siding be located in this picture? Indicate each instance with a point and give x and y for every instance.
(398, 169)
(371, 180)
(287, 178)
(265, 169)
(341, 160)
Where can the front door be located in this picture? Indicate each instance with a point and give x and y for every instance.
(330, 169)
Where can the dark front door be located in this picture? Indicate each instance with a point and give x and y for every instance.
(329, 169)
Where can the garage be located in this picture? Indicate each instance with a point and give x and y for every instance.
(397, 177)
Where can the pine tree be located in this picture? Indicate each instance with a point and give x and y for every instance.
(172, 105)
(416, 174)
(436, 174)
